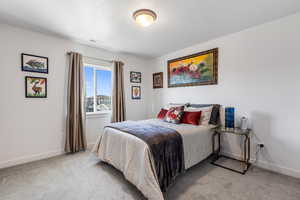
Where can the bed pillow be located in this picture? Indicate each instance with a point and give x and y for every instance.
(191, 118)
(162, 113)
(205, 113)
(174, 115)
(171, 105)
(215, 115)
(205, 117)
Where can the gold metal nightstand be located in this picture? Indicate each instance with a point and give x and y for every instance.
(217, 152)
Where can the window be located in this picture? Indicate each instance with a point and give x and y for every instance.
(98, 86)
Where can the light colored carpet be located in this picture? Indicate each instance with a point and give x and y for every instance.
(81, 176)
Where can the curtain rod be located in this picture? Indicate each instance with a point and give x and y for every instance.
(109, 61)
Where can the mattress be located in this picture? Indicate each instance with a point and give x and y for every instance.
(133, 158)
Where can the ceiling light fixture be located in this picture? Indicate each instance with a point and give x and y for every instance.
(144, 17)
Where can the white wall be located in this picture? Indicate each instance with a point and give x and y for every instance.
(259, 73)
(35, 128)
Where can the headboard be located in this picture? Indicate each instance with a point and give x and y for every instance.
(198, 105)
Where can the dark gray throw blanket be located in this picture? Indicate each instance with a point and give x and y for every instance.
(165, 145)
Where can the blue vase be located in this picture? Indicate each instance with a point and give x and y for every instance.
(229, 117)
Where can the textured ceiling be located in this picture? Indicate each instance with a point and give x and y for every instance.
(180, 23)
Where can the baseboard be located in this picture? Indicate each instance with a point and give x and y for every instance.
(26, 159)
(268, 166)
(90, 146)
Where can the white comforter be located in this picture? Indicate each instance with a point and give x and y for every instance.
(132, 156)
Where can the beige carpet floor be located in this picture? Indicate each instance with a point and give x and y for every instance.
(82, 177)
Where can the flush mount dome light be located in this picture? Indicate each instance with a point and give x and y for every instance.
(144, 17)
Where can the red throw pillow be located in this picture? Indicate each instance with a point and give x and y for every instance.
(191, 118)
(174, 115)
(162, 113)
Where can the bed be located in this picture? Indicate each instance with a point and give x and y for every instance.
(134, 159)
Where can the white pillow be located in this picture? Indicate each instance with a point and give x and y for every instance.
(222, 115)
(170, 105)
(205, 113)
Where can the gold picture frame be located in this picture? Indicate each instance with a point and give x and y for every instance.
(194, 70)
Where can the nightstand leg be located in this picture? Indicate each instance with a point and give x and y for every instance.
(214, 151)
(246, 153)
(219, 143)
(249, 150)
(245, 149)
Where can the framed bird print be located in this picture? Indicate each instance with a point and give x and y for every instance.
(35, 87)
(33, 63)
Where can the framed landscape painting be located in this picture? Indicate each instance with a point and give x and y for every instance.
(35, 87)
(135, 77)
(136, 92)
(197, 69)
(158, 80)
(33, 63)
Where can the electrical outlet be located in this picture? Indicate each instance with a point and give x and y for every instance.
(260, 145)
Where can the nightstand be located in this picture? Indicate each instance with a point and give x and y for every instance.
(218, 131)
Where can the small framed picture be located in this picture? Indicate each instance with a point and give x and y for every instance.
(135, 77)
(158, 80)
(33, 63)
(35, 87)
(136, 92)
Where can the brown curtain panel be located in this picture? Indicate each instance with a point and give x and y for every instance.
(75, 131)
(118, 97)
